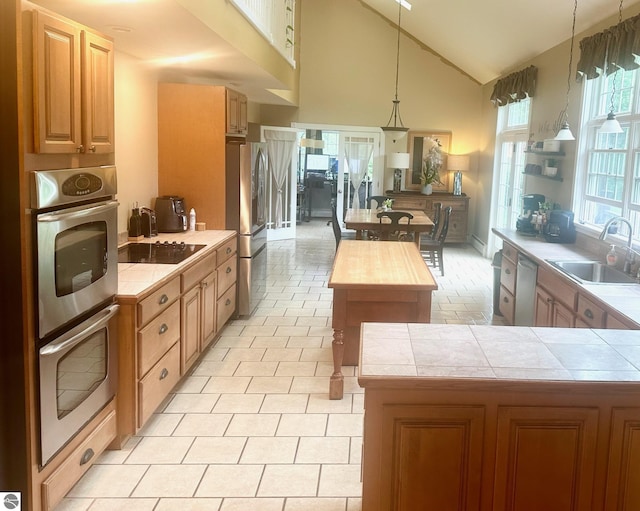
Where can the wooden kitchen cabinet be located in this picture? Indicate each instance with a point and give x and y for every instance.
(198, 323)
(164, 331)
(508, 269)
(458, 222)
(192, 136)
(227, 276)
(73, 87)
(458, 441)
(236, 113)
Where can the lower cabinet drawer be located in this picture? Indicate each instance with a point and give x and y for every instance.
(56, 486)
(157, 337)
(158, 382)
(592, 314)
(508, 275)
(227, 275)
(226, 306)
(410, 203)
(507, 305)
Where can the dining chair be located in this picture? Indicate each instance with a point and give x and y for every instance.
(433, 249)
(379, 200)
(337, 231)
(395, 231)
(437, 208)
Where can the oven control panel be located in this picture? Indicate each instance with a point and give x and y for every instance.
(81, 184)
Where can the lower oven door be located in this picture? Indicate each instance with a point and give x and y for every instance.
(77, 261)
(77, 379)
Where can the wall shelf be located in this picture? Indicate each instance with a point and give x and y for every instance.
(553, 178)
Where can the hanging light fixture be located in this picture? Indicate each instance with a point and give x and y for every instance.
(611, 125)
(396, 132)
(565, 132)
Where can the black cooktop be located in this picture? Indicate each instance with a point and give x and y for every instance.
(157, 253)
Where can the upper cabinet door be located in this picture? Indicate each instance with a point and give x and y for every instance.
(57, 80)
(73, 88)
(97, 93)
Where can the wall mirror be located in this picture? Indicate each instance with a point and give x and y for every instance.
(418, 147)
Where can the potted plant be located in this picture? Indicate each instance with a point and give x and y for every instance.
(431, 165)
(387, 204)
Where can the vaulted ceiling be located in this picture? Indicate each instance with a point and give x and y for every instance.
(483, 38)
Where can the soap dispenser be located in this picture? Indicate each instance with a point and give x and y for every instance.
(612, 257)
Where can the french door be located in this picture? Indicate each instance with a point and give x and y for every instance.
(508, 185)
(359, 170)
(281, 187)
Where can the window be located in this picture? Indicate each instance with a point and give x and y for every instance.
(608, 172)
(513, 133)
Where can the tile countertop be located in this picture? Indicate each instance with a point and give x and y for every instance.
(412, 352)
(623, 298)
(134, 279)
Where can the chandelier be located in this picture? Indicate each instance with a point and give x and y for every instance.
(396, 131)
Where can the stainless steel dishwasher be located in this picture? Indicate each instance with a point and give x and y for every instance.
(526, 276)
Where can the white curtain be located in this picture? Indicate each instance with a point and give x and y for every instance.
(280, 145)
(358, 152)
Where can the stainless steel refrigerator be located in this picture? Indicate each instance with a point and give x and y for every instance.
(246, 171)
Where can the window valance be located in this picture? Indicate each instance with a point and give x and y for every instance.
(616, 47)
(515, 87)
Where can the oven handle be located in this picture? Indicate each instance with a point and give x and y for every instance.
(77, 212)
(68, 342)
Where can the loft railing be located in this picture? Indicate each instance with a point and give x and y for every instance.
(274, 19)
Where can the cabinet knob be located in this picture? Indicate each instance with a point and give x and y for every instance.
(505, 300)
(80, 149)
(164, 373)
(228, 250)
(228, 269)
(507, 271)
(92, 149)
(86, 456)
(163, 299)
(549, 300)
(588, 313)
(163, 328)
(228, 302)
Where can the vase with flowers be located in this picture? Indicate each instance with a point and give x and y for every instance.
(431, 164)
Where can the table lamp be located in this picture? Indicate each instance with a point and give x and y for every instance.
(397, 161)
(459, 163)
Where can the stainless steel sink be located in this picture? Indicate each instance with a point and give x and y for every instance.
(592, 272)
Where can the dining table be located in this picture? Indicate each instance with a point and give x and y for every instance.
(362, 220)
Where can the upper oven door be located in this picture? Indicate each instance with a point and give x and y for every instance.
(77, 262)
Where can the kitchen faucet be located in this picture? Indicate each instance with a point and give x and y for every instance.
(629, 259)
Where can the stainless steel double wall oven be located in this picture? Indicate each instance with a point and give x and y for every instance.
(76, 268)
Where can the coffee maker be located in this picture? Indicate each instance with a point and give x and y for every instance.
(530, 203)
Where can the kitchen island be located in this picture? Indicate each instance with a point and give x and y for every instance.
(464, 417)
(374, 281)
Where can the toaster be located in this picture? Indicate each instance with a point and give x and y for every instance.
(559, 227)
(170, 214)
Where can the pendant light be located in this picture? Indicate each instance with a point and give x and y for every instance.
(396, 132)
(611, 125)
(565, 132)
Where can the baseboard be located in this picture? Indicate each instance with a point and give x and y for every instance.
(479, 245)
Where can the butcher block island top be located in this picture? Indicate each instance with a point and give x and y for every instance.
(374, 281)
(494, 417)
(380, 265)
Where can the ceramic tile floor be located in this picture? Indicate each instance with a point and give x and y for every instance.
(251, 427)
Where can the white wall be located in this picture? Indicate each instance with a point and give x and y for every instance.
(136, 126)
